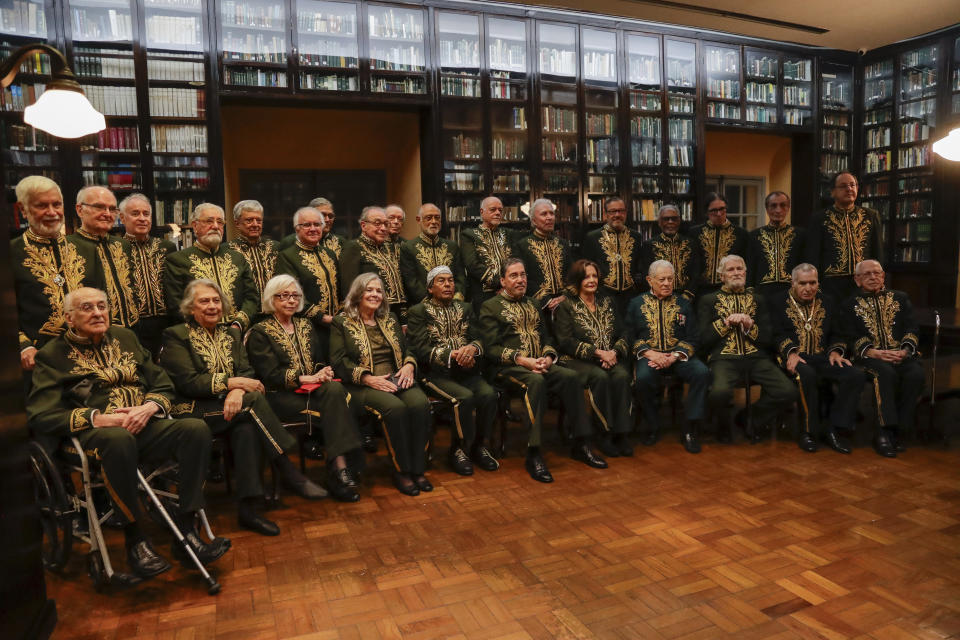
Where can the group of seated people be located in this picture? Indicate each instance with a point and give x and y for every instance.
(144, 353)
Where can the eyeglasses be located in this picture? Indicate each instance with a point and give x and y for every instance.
(376, 223)
(310, 225)
(847, 185)
(617, 210)
(670, 218)
(288, 296)
(100, 207)
(88, 307)
(717, 210)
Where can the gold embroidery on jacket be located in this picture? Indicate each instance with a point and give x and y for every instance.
(735, 343)
(40, 262)
(324, 270)
(849, 231)
(447, 329)
(802, 316)
(358, 334)
(297, 347)
(776, 249)
(597, 325)
(261, 257)
(878, 314)
(525, 320)
(333, 243)
(120, 277)
(549, 256)
(617, 260)
(716, 243)
(111, 367)
(147, 262)
(493, 249)
(216, 350)
(430, 256)
(384, 259)
(221, 270)
(660, 317)
(676, 251)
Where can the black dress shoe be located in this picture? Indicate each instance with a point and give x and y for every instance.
(338, 484)
(690, 442)
(144, 561)
(608, 448)
(482, 457)
(537, 468)
(897, 441)
(368, 443)
(405, 485)
(883, 446)
(807, 443)
(422, 483)
(651, 437)
(624, 448)
(207, 552)
(836, 443)
(313, 449)
(460, 463)
(583, 453)
(250, 519)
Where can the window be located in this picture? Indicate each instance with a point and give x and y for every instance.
(744, 199)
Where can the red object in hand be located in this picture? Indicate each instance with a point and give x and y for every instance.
(310, 386)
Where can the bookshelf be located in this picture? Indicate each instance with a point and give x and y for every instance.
(797, 90)
(955, 79)
(509, 108)
(761, 72)
(878, 139)
(601, 134)
(397, 50)
(722, 78)
(645, 88)
(680, 57)
(328, 46)
(253, 38)
(559, 118)
(836, 124)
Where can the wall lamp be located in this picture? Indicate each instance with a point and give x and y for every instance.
(949, 146)
(61, 110)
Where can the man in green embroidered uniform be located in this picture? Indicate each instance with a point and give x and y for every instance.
(547, 255)
(484, 249)
(210, 258)
(841, 237)
(443, 335)
(107, 258)
(330, 240)
(98, 384)
(675, 248)
(735, 335)
(148, 257)
(616, 249)
(515, 339)
(371, 253)
(774, 249)
(428, 250)
(715, 239)
(45, 266)
(259, 252)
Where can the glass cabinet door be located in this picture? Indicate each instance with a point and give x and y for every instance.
(681, 58)
(723, 82)
(458, 44)
(646, 127)
(836, 122)
(254, 43)
(560, 116)
(761, 71)
(397, 59)
(797, 90)
(601, 153)
(328, 50)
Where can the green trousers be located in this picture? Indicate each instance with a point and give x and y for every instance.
(777, 392)
(558, 381)
(473, 400)
(119, 452)
(325, 409)
(608, 393)
(405, 418)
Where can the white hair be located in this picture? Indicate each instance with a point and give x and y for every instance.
(246, 205)
(296, 216)
(275, 285)
(203, 206)
(656, 265)
(727, 258)
(803, 267)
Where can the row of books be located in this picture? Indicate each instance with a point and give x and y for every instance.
(915, 184)
(875, 91)
(506, 90)
(925, 109)
(681, 186)
(460, 87)
(881, 69)
(112, 101)
(680, 155)
(877, 116)
(798, 117)
(38, 63)
(643, 69)
(681, 73)
(914, 157)
(914, 132)
(511, 182)
(254, 47)
(95, 66)
(559, 119)
(185, 138)
(761, 114)
(181, 162)
(912, 254)
(876, 161)
(329, 82)
(757, 92)
(602, 184)
(397, 57)
(509, 148)
(177, 103)
(918, 81)
(24, 18)
(836, 92)
(762, 67)
(875, 189)
(463, 181)
(344, 24)
(680, 128)
(645, 209)
(248, 14)
(113, 139)
(250, 77)
(178, 70)
(507, 55)
(723, 111)
(602, 153)
(395, 23)
(181, 31)
(17, 97)
(926, 57)
(722, 60)
(835, 139)
(556, 182)
(727, 89)
(877, 137)
(599, 65)
(833, 119)
(318, 59)
(174, 210)
(460, 53)
(797, 70)
(181, 180)
(415, 84)
(679, 104)
(23, 137)
(518, 118)
(797, 95)
(646, 184)
(644, 152)
(97, 24)
(645, 127)
(558, 62)
(914, 207)
(644, 100)
(465, 146)
(559, 150)
(601, 124)
(832, 164)
(120, 177)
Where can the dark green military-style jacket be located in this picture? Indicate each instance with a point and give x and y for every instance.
(226, 267)
(838, 240)
(109, 267)
(351, 353)
(512, 328)
(148, 261)
(807, 328)
(720, 342)
(280, 358)
(712, 244)
(772, 254)
(617, 253)
(546, 260)
(666, 325)
(435, 330)
(580, 332)
(423, 253)
(364, 256)
(316, 270)
(75, 377)
(45, 270)
(334, 242)
(484, 252)
(678, 250)
(261, 258)
(882, 320)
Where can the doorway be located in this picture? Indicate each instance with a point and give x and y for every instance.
(744, 199)
(745, 167)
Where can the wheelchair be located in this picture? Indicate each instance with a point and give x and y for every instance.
(67, 515)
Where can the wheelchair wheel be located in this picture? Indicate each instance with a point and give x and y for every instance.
(56, 510)
(96, 570)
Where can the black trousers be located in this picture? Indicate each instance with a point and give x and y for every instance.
(608, 392)
(473, 400)
(561, 382)
(843, 411)
(896, 390)
(776, 389)
(325, 409)
(405, 417)
(650, 383)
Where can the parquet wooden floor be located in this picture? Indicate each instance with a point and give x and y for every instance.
(738, 542)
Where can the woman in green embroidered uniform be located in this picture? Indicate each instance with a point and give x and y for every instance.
(589, 332)
(368, 351)
(286, 353)
(208, 365)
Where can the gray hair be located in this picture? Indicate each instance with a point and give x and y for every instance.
(395, 206)
(483, 203)
(246, 205)
(82, 194)
(190, 294)
(656, 265)
(859, 268)
(296, 216)
(275, 285)
(803, 267)
(70, 297)
(33, 185)
(727, 258)
(667, 207)
(365, 214)
(427, 205)
(351, 305)
(129, 200)
(773, 194)
(203, 206)
(320, 202)
(509, 262)
(541, 202)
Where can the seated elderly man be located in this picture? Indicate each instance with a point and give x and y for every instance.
(812, 350)
(97, 383)
(735, 335)
(662, 334)
(883, 332)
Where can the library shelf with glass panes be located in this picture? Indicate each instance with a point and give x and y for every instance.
(509, 107)
(398, 63)
(836, 122)
(680, 57)
(646, 129)
(24, 151)
(461, 114)
(253, 40)
(797, 90)
(955, 79)
(761, 71)
(559, 118)
(916, 118)
(601, 134)
(102, 50)
(327, 42)
(878, 139)
(722, 90)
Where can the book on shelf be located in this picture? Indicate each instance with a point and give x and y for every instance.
(922, 109)
(174, 210)
(186, 138)
(645, 152)
(763, 66)
(722, 60)
(601, 124)
(914, 132)
(603, 153)
(836, 139)
(558, 62)
(644, 100)
(875, 91)
(926, 57)
(912, 157)
(24, 18)
(460, 87)
(876, 161)
(177, 103)
(645, 127)
(316, 59)
(559, 119)
(645, 209)
(560, 182)
(832, 164)
(726, 89)
(602, 184)
(397, 57)
(761, 92)
(395, 23)
(680, 185)
(176, 70)
(600, 65)
(832, 119)
(23, 137)
(679, 104)
(723, 110)
(329, 82)
(796, 95)
(465, 146)
(175, 180)
(87, 63)
(460, 213)
(518, 118)
(913, 254)
(835, 92)
(680, 128)
(113, 139)
(507, 55)
(797, 70)
(878, 69)
(37, 64)
(914, 208)
(558, 149)
(123, 177)
(463, 181)
(644, 69)
(646, 184)
(877, 116)
(460, 53)
(511, 182)
(915, 184)
(174, 30)
(761, 114)
(797, 117)
(680, 73)
(509, 148)
(342, 24)
(97, 24)
(248, 14)
(254, 47)
(680, 155)
(379, 84)
(914, 81)
(249, 77)
(112, 101)
(17, 97)
(878, 137)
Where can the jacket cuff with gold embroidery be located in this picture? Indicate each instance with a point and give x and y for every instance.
(291, 378)
(357, 374)
(312, 311)
(721, 327)
(243, 319)
(861, 346)
(218, 383)
(909, 342)
(684, 347)
(81, 419)
(509, 356)
(25, 342)
(410, 360)
(639, 347)
(549, 351)
(585, 351)
(160, 400)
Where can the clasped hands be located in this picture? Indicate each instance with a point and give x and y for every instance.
(133, 419)
(537, 365)
(324, 375)
(893, 356)
(836, 360)
(234, 401)
(465, 356)
(659, 359)
(742, 320)
(383, 383)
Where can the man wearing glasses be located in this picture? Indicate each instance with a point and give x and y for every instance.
(841, 237)
(108, 259)
(675, 248)
(616, 248)
(372, 253)
(774, 249)
(714, 240)
(210, 258)
(260, 252)
(330, 240)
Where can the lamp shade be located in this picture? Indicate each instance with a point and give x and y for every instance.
(64, 113)
(949, 146)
